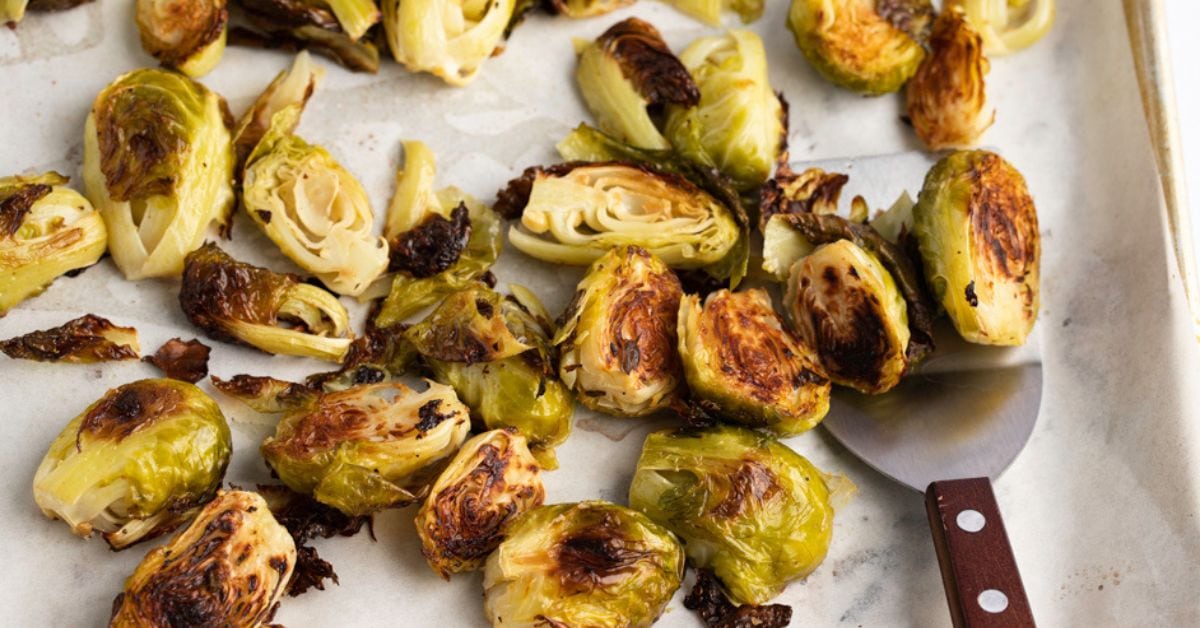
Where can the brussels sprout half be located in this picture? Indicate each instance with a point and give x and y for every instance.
(292, 86)
(738, 356)
(230, 567)
(490, 482)
(854, 45)
(709, 11)
(369, 447)
(136, 463)
(746, 506)
(946, 99)
(158, 164)
(188, 35)
(977, 228)
(1007, 25)
(617, 339)
(46, 230)
(447, 38)
(591, 563)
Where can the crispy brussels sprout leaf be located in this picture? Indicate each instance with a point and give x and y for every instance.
(491, 481)
(46, 230)
(304, 24)
(709, 11)
(136, 463)
(738, 356)
(448, 39)
(184, 361)
(1007, 25)
(708, 599)
(381, 353)
(625, 72)
(977, 229)
(306, 519)
(812, 191)
(469, 327)
(83, 340)
(746, 506)
(617, 339)
(591, 563)
(370, 447)
(188, 35)
(293, 86)
(267, 394)
(586, 8)
(946, 99)
(158, 164)
(228, 568)
(232, 301)
(854, 45)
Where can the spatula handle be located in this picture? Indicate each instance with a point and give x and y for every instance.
(983, 585)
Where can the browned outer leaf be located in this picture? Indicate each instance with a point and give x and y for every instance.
(83, 340)
(708, 599)
(185, 361)
(266, 394)
(217, 289)
(307, 519)
(432, 246)
(646, 61)
(129, 408)
(15, 205)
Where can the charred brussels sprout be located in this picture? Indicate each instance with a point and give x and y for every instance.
(136, 463)
(746, 506)
(617, 340)
(626, 71)
(586, 564)
(235, 302)
(229, 567)
(312, 208)
(188, 35)
(158, 164)
(1007, 25)
(291, 87)
(46, 230)
(709, 11)
(738, 356)
(369, 447)
(853, 44)
(977, 228)
(447, 38)
(739, 125)
(586, 8)
(490, 482)
(330, 28)
(947, 100)
(83, 340)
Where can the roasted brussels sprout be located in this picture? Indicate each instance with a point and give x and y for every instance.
(46, 230)
(136, 463)
(746, 506)
(946, 99)
(447, 38)
(855, 44)
(229, 567)
(1007, 25)
(469, 326)
(491, 481)
(292, 86)
(158, 164)
(739, 127)
(709, 11)
(439, 242)
(232, 301)
(380, 354)
(313, 208)
(83, 340)
(738, 356)
(977, 228)
(617, 339)
(267, 394)
(330, 28)
(184, 361)
(369, 447)
(188, 35)
(591, 563)
(626, 71)
(586, 8)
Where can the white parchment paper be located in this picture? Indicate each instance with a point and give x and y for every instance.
(1101, 507)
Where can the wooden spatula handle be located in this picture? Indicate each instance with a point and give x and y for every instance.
(983, 585)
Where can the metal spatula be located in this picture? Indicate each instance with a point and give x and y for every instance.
(947, 430)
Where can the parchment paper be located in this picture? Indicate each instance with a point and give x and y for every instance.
(1101, 507)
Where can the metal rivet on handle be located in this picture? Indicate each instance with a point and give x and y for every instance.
(970, 520)
(993, 601)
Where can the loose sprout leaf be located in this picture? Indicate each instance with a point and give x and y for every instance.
(184, 361)
(448, 39)
(381, 353)
(470, 326)
(306, 519)
(431, 247)
(709, 11)
(267, 394)
(188, 35)
(83, 340)
(296, 25)
(947, 99)
(293, 86)
(354, 16)
(708, 599)
(1007, 25)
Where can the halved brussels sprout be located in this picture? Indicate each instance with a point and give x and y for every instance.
(1007, 25)
(617, 339)
(83, 340)
(977, 228)
(946, 99)
(590, 563)
(739, 127)
(292, 86)
(312, 208)
(490, 482)
(745, 505)
(738, 356)
(188, 35)
(158, 164)
(324, 27)
(136, 463)
(853, 44)
(46, 230)
(447, 38)
(626, 71)
(845, 304)
(586, 8)
(232, 301)
(230, 567)
(369, 447)
(575, 213)
(470, 327)
(439, 242)
(709, 11)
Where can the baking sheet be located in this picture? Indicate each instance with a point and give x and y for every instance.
(1101, 507)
